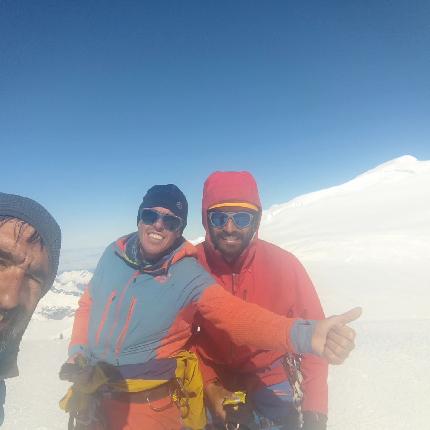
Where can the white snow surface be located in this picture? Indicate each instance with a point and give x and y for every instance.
(365, 242)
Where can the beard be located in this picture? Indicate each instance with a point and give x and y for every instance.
(16, 320)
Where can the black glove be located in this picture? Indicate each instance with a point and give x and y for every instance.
(314, 421)
(240, 415)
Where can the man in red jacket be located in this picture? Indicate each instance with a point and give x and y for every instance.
(264, 274)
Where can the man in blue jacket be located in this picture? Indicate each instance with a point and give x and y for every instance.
(30, 241)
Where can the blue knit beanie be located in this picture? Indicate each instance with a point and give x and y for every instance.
(36, 215)
(166, 196)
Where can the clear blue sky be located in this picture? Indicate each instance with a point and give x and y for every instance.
(99, 100)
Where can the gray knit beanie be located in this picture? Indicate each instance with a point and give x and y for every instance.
(35, 214)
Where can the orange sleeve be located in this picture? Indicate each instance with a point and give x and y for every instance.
(79, 339)
(245, 323)
(209, 374)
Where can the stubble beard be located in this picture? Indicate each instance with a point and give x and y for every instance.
(13, 332)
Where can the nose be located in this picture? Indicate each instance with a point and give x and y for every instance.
(230, 226)
(158, 225)
(11, 286)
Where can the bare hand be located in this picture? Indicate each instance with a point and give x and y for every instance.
(333, 339)
(215, 394)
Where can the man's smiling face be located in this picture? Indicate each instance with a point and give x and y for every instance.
(156, 239)
(24, 271)
(229, 239)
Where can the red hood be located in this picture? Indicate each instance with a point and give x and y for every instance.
(229, 187)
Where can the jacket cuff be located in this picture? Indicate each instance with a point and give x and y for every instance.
(301, 336)
(77, 349)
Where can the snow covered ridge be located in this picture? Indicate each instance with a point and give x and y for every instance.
(382, 213)
(73, 282)
(365, 242)
(62, 300)
(390, 172)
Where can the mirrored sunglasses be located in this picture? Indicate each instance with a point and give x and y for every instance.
(241, 219)
(170, 222)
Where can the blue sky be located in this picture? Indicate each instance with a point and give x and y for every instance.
(99, 100)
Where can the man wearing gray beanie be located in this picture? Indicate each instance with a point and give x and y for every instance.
(30, 242)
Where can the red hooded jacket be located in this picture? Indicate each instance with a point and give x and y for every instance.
(265, 275)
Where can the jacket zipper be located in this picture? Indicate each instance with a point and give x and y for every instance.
(117, 312)
(124, 330)
(109, 302)
(234, 291)
(234, 283)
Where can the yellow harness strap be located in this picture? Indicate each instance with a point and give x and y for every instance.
(79, 394)
(188, 395)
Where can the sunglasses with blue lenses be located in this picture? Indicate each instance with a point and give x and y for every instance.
(241, 220)
(170, 222)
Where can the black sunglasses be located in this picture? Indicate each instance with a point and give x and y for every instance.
(170, 222)
(241, 219)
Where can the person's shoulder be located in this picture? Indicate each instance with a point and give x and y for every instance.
(109, 250)
(270, 248)
(110, 254)
(199, 250)
(189, 263)
(192, 265)
(276, 254)
(189, 273)
(113, 246)
(200, 247)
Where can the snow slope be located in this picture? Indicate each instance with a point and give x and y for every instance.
(365, 242)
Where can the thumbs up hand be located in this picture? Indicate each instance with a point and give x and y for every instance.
(333, 339)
